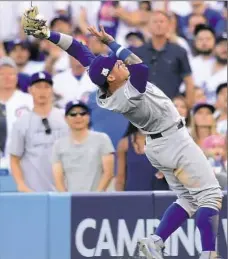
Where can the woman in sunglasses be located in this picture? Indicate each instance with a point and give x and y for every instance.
(83, 161)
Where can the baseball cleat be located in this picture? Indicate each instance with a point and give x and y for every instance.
(151, 247)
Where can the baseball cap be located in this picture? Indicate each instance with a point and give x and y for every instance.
(77, 103)
(18, 42)
(203, 105)
(221, 38)
(41, 76)
(101, 68)
(213, 141)
(220, 87)
(203, 27)
(7, 61)
(62, 18)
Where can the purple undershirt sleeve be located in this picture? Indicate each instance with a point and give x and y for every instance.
(139, 76)
(73, 47)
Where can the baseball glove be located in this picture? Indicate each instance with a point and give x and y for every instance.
(33, 24)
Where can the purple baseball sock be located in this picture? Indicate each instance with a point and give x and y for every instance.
(173, 218)
(207, 220)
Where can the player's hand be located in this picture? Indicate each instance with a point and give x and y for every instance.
(101, 35)
(34, 24)
(159, 175)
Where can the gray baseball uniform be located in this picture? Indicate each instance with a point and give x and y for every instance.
(184, 165)
(31, 143)
(82, 162)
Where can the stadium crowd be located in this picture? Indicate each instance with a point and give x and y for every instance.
(53, 135)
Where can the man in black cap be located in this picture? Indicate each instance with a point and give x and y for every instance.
(33, 137)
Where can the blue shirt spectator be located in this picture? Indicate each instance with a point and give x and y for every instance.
(135, 172)
(168, 62)
(213, 17)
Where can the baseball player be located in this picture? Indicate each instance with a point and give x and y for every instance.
(123, 88)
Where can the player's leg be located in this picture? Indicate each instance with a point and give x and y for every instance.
(195, 173)
(197, 176)
(192, 170)
(175, 215)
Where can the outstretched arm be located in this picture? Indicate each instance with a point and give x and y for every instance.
(138, 70)
(73, 47)
(35, 25)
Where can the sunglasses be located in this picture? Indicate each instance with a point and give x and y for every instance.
(47, 126)
(74, 114)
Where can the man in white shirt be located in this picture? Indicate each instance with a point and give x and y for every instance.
(218, 70)
(74, 83)
(204, 45)
(33, 137)
(14, 103)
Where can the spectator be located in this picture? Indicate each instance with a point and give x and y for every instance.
(135, 39)
(214, 148)
(221, 26)
(134, 169)
(72, 83)
(221, 111)
(62, 24)
(145, 8)
(175, 38)
(119, 16)
(188, 33)
(19, 51)
(201, 8)
(33, 137)
(57, 60)
(217, 70)
(182, 107)
(82, 161)
(13, 104)
(199, 95)
(168, 63)
(80, 36)
(202, 122)
(204, 46)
